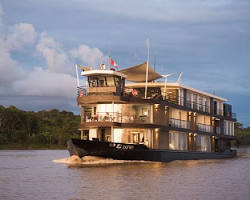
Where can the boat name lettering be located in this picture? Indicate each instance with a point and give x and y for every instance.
(124, 147)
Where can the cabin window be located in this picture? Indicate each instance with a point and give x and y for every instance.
(117, 82)
(136, 137)
(177, 140)
(195, 102)
(206, 106)
(93, 81)
(198, 143)
(172, 95)
(205, 143)
(102, 81)
(110, 81)
(188, 102)
(200, 103)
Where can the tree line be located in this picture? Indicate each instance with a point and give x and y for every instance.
(48, 127)
(242, 134)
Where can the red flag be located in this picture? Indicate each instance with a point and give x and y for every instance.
(112, 62)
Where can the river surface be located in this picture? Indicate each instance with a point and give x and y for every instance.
(32, 175)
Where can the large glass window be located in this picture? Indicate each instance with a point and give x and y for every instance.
(205, 143)
(206, 105)
(177, 140)
(225, 128)
(195, 102)
(198, 143)
(200, 103)
(188, 102)
(172, 95)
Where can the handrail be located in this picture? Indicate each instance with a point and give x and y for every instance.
(82, 91)
(136, 119)
(205, 128)
(114, 117)
(178, 123)
(188, 103)
(197, 106)
(102, 117)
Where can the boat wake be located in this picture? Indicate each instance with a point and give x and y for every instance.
(94, 161)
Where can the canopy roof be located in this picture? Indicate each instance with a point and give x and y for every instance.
(138, 73)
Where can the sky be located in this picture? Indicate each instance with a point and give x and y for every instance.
(41, 41)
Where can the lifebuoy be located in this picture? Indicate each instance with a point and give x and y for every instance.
(134, 92)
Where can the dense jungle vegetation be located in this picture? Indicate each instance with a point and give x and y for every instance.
(43, 129)
(242, 134)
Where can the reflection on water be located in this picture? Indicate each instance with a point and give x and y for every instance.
(33, 175)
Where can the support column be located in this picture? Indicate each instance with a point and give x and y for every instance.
(112, 134)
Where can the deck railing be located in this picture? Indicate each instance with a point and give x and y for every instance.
(179, 123)
(114, 117)
(197, 106)
(136, 119)
(82, 91)
(205, 128)
(102, 117)
(218, 112)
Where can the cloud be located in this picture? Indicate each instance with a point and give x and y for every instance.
(42, 82)
(55, 78)
(90, 56)
(10, 69)
(21, 34)
(56, 58)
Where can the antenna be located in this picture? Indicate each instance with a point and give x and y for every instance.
(146, 85)
(154, 61)
(179, 77)
(165, 83)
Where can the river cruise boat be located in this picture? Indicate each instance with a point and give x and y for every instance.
(131, 115)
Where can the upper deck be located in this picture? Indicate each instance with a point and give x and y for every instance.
(108, 86)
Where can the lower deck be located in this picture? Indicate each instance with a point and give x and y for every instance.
(121, 151)
(157, 138)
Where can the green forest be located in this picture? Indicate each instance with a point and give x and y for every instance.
(36, 130)
(242, 134)
(50, 129)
